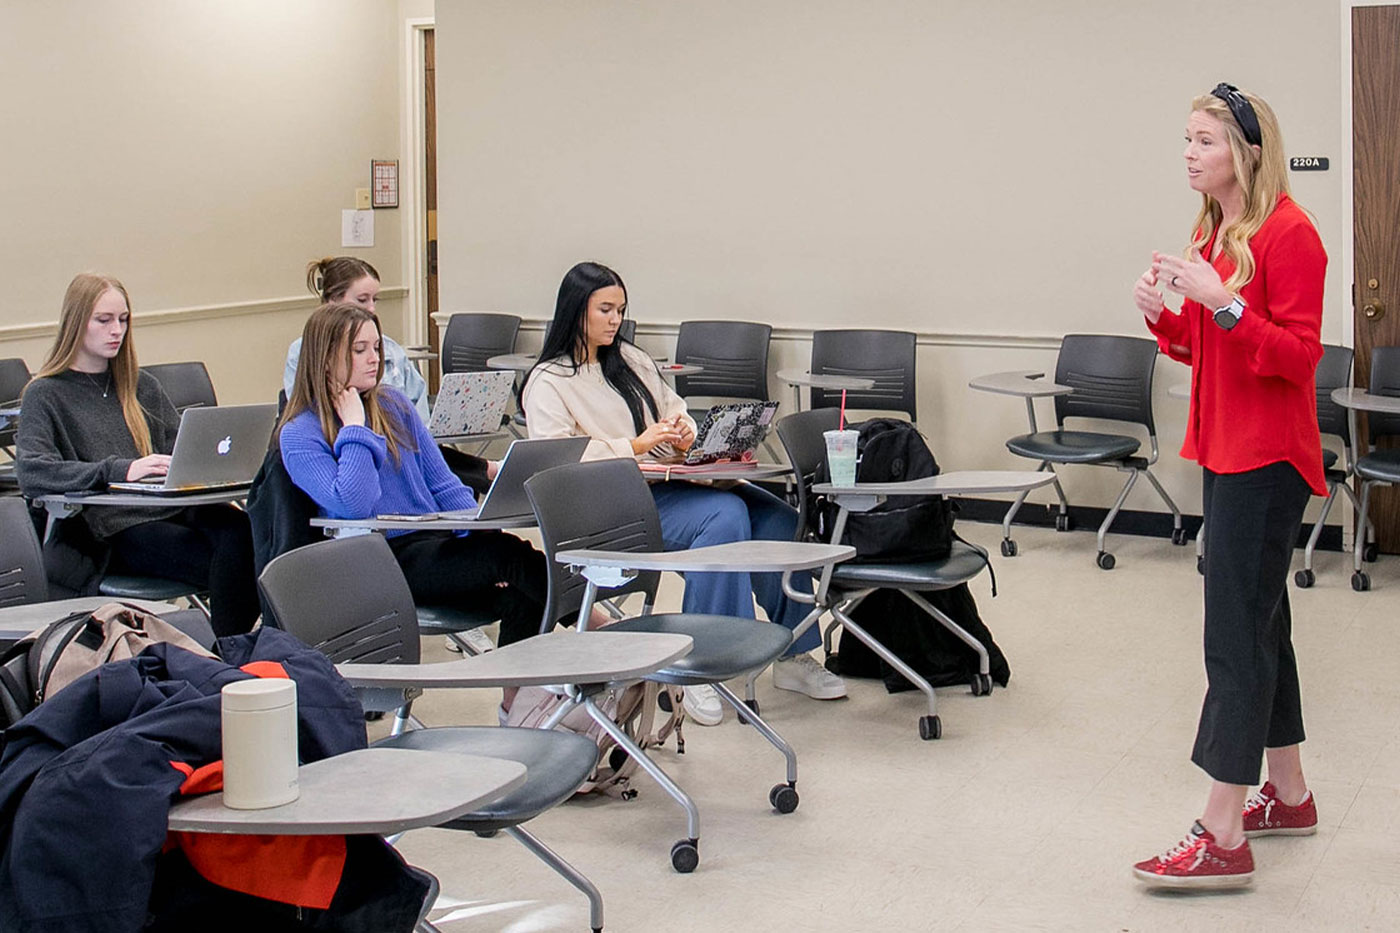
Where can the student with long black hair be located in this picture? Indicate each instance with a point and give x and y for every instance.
(91, 417)
(589, 382)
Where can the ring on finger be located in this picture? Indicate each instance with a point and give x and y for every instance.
(1173, 281)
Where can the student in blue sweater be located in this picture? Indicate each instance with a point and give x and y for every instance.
(358, 448)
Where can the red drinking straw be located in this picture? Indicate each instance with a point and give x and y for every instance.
(842, 424)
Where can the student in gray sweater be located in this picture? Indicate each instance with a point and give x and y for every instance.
(91, 417)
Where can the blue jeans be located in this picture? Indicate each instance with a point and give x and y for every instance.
(696, 516)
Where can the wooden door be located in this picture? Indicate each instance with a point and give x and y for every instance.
(430, 191)
(1375, 76)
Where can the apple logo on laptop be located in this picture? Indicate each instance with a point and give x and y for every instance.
(225, 445)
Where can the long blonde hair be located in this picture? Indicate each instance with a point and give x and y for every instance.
(327, 340)
(78, 303)
(1262, 176)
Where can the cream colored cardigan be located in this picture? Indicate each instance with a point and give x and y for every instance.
(560, 402)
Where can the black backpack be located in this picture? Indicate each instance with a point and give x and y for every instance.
(902, 528)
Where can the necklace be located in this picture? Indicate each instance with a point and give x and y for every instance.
(105, 385)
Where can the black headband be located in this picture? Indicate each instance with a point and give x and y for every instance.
(1242, 110)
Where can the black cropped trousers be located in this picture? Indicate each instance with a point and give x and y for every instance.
(1252, 697)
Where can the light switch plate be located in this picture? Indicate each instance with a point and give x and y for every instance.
(362, 199)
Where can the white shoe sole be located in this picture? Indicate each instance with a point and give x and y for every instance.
(1282, 831)
(1202, 882)
(835, 693)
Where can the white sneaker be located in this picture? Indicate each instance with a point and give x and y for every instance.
(702, 704)
(478, 642)
(802, 674)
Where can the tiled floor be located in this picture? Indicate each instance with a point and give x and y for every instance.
(1029, 810)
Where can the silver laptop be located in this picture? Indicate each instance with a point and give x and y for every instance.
(216, 448)
(524, 458)
(470, 403)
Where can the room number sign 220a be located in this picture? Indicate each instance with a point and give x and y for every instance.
(1308, 163)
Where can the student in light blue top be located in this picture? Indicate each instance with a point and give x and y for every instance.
(345, 278)
(359, 449)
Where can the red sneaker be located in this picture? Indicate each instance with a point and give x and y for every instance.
(1197, 862)
(1266, 815)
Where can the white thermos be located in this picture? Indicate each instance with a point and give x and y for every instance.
(260, 743)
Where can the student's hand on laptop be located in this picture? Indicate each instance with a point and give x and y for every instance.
(686, 433)
(153, 465)
(350, 407)
(492, 468)
(662, 432)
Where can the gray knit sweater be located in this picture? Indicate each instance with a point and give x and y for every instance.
(73, 437)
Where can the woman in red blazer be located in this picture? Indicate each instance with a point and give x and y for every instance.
(1250, 329)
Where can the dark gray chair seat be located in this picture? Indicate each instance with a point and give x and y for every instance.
(1329, 458)
(126, 586)
(725, 646)
(449, 620)
(1383, 466)
(556, 762)
(961, 565)
(1074, 446)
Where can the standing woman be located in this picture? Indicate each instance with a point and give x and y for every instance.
(1249, 327)
(91, 417)
(589, 382)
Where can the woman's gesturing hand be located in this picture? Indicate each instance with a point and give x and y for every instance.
(349, 406)
(1146, 296)
(662, 432)
(152, 465)
(1192, 278)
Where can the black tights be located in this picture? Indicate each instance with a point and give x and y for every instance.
(209, 546)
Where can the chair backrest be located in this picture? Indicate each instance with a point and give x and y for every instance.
(347, 598)
(887, 356)
(472, 339)
(1385, 380)
(734, 354)
(22, 578)
(802, 439)
(627, 330)
(1111, 377)
(602, 504)
(187, 384)
(14, 376)
(1333, 372)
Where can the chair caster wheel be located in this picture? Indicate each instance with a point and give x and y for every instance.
(487, 833)
(1370, 553)
(1178, 536)
(930, 727)
(753, 705)
(1008, 548)
(663, 700)
(981, 685)
(1201, 566)
(1105, 560)
(1304, 579)
(1063, 522)
(685, 855)
(617, 758)
(783, 797)
(1360, 582)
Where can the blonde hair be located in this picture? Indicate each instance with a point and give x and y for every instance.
(78, 303)
(327, 340)
(1262, 177)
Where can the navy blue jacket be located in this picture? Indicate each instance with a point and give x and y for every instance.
(86, 780)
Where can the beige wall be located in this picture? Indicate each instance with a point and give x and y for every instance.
(201, 151)
(992, 176)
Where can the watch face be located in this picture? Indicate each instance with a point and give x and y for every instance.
(1225, 319)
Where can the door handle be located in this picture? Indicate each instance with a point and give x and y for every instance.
(1373, 310)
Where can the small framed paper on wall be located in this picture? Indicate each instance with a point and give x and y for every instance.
(384, 182)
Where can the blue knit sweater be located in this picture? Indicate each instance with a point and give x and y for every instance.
(356, 477)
